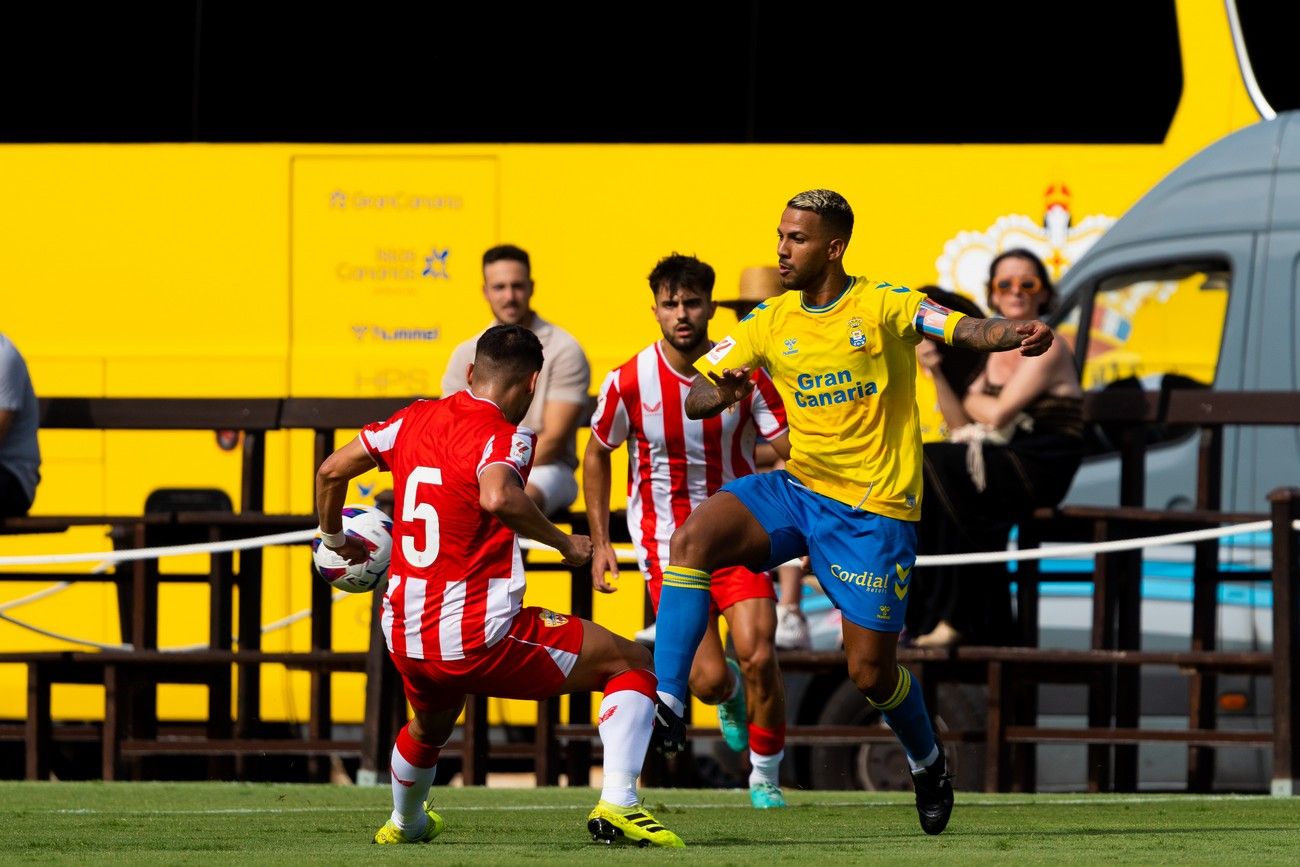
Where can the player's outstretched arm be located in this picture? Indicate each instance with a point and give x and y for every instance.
(1030, 336)
(712, 394)
(501, 494)
(332, 480)
(596, 477)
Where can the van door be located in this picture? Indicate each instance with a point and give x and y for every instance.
(1169, 314)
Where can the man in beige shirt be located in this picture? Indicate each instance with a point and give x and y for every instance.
(562, 388)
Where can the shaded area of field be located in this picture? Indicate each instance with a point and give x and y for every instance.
(278, 824)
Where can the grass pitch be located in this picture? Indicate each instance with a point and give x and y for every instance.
(207, 823)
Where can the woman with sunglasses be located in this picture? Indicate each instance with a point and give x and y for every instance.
(1015, 442)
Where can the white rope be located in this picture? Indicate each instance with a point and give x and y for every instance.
(628, 555)
(625, 555)
(299, 536)
(292, 538)
(35, 597)
(273, 626)
(1085, 549)
(49, 634)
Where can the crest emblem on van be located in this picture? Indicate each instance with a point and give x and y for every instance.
(1057, 239)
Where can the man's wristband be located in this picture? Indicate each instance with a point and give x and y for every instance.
(333, 540)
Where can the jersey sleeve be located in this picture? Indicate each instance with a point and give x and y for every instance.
(514, 448)
(380, 438)
(767, 406)
(610, 422)
(742, 347)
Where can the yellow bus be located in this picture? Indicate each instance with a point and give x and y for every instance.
(272, 270)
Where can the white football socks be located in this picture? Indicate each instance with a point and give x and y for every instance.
(626, 719)
(410, 790)
(765, 769)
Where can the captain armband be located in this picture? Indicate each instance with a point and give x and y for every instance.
(937, 321)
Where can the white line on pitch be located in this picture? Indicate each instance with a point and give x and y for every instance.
(1096, 801)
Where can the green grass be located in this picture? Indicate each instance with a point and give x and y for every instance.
(169, 823)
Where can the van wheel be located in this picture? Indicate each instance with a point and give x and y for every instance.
(879, 766)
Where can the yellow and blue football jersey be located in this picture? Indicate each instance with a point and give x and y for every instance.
(847, 374)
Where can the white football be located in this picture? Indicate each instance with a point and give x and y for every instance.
(375, 530)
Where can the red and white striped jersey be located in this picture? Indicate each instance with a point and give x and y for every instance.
(674, 463)
(457, 577)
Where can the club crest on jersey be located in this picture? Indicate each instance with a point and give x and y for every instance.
(550, 618)
(790, 348)
(883, 613)
(857, 339)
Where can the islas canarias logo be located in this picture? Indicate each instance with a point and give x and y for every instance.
(1057, 239)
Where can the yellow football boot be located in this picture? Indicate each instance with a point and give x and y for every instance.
(610, 824)
(390, 834)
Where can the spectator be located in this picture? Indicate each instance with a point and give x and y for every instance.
(1016, 440)
(757, 285)
(561, 391)
(957, 366)
(20, 453)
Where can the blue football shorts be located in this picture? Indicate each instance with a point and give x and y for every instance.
(863, 560)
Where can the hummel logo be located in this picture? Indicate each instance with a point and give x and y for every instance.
(607, 714)
(903, 582)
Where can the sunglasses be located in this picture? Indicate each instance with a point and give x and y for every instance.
(1028, 285)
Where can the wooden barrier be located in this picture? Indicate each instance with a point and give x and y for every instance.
(1110, 668)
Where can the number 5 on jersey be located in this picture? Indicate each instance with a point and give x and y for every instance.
(412, 510)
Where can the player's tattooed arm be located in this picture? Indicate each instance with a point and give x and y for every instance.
(1031, 337)
(710, 395)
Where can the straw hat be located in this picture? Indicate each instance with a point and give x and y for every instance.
(756, 284)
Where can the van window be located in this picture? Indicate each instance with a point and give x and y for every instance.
(1161, 323)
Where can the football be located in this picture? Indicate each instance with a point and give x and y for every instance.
(375, 530)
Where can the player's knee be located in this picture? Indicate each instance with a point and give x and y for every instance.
(873, 680)
(709, 688)
(759, 662)
(689, 545)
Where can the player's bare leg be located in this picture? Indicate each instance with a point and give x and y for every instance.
(891, 689)
(716, 680)
(720, 532)
(753, 630)
(413, 766)
(604, 655)
(711, 680)
(752, 623)
(622, 669)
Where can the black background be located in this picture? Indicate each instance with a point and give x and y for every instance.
(736, 71)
